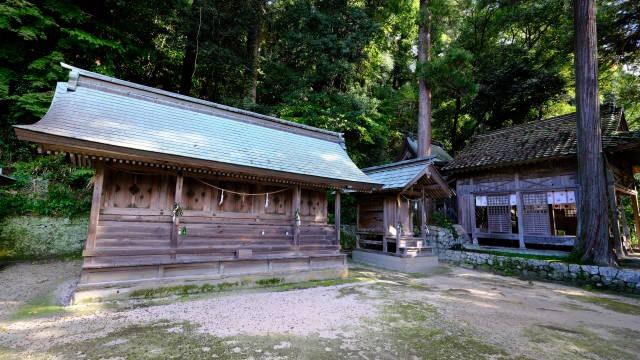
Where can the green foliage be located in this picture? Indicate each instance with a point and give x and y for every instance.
(29, 237)
(47, 186)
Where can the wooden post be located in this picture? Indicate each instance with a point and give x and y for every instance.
(636, 213)
(358, 224)
(177, 200)
(295, 205)
(423, 217)
(337, 216)
(613, 211)
(385, 223)
(398, 224)
(519, 212)
(472, 211)
(96, 204)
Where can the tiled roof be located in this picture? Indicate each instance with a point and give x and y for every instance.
(399, 174)
(538, 140)
(102, 110)
(436, 150)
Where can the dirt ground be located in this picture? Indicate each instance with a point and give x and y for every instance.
(453, 313)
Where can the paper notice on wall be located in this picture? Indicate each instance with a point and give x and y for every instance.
(512, 199)
(550, 198)
(559, 197)
(481, 201)
(571, 197)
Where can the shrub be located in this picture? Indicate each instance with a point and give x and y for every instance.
(47, 186)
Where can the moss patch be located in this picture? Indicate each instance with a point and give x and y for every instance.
(580, 343)
(609, 303)
(40, 306)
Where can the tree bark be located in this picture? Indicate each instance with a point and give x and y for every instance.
(254, 38)
(190, 51)
(593, 220)
(424, 91)
(454, 127)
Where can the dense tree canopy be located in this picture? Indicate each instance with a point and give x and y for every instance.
(345, 65)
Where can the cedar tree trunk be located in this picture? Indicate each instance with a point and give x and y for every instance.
(593, 220)
(424, 91)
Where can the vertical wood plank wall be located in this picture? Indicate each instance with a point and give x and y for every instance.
(134, 222)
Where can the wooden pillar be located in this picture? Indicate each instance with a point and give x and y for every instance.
(96, 204)
(385, 223)
(176, 223)
(295, 203)
(358, 223)
(613, 211)
(472, 213)
(423, 217)
(519, 212)
(398, 206)
(636, 213)
(337, 217)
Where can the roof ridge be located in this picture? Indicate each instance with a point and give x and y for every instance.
(78, 71)
(398, 164)
(605, 109)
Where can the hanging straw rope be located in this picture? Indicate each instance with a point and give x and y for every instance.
(241, 193)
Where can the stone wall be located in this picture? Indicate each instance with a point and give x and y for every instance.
(442, 239)
(626, 280)
(27, 237)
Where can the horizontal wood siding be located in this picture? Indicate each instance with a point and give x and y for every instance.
(135, 223)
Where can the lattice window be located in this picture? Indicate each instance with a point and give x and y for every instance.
(536, 214)
(499, 213)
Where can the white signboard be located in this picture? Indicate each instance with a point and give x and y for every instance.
(559, 197)
(512, 199)
(571, 197)
(481, 201)
(550, 198)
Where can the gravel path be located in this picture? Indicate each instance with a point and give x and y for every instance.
(21, 283)
(479, 314)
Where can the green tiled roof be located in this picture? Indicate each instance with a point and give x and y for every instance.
(538, 140)
(399, 174)
(103, 110)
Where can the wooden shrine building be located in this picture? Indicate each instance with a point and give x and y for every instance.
(393, 219)
(189, 189)
(517, 186)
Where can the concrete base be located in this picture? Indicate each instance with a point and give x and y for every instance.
(120, 282)
(417, 264)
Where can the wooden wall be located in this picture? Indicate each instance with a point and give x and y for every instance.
(377, 211)
(135, 224)
(534, 178)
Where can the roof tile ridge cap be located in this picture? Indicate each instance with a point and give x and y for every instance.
(399, 163)
(150, 89)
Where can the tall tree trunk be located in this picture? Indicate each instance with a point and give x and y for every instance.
(424, 92)
(190, 51)
(593, 220)
(454, 127)
(254, 38)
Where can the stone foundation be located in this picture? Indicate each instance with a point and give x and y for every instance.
(624, 280)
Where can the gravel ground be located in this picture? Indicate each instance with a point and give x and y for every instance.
(454, 313)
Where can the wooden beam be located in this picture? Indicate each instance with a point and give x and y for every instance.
(519, 212)
(472, 218)
(385, 223)
(337, 216)
(614, 220)
(96, 204)
(177, 200)
(636, 213)
(295, 206)
(423, 217)
(398, 227)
